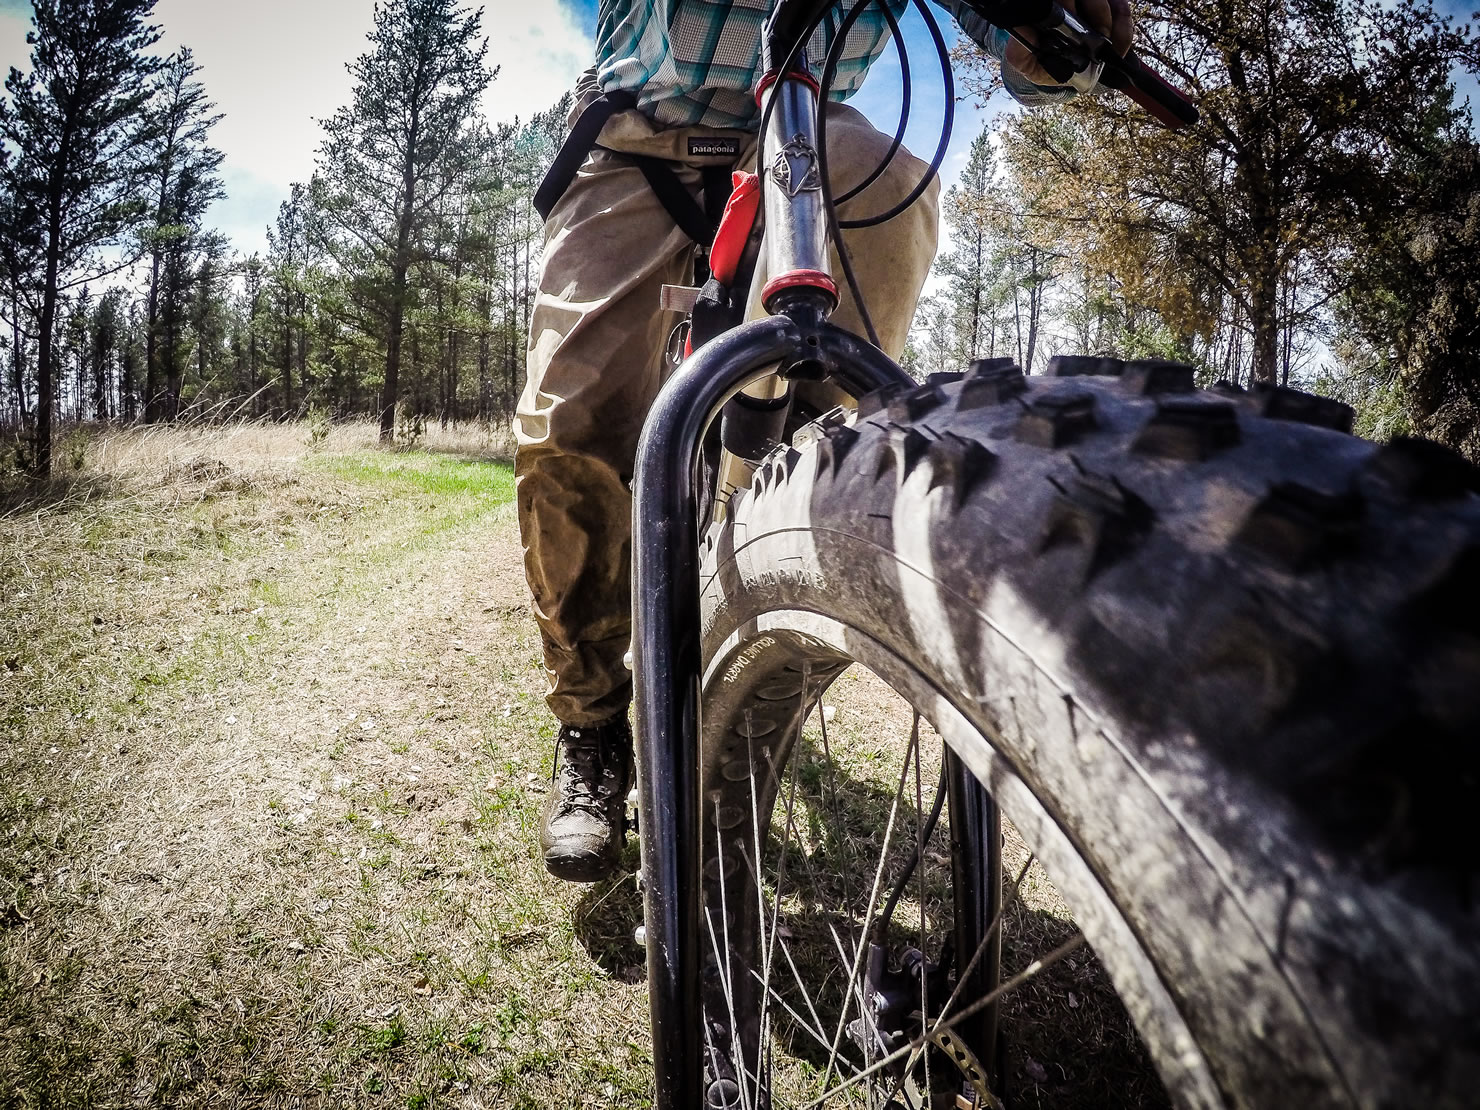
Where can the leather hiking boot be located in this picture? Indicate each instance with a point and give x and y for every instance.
(584, 823)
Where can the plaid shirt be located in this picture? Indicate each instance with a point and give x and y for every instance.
(697, 61)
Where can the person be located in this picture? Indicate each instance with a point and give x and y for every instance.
(597, 338)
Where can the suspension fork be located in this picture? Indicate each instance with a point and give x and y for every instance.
(757, 358)
(976, 837)
(668, 653)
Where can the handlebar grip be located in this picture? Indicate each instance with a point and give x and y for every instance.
(1164, 101)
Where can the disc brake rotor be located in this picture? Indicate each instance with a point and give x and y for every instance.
(975, 1093)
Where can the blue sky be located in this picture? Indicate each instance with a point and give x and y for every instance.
(274, 67)
(272, 85)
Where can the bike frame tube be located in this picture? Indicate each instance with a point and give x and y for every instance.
(667, 652)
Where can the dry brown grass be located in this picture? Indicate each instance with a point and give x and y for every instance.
(272, 753)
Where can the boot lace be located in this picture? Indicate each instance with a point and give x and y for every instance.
(587, 763)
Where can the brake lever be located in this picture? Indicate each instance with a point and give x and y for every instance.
(1066, 46)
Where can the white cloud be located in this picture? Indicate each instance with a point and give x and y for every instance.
(275, 67)
(540, 48)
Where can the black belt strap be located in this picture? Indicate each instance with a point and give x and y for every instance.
(718, 185)
(699, 224)
(577, 145)
(675, 198)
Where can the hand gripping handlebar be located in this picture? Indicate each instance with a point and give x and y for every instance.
(1065, 46)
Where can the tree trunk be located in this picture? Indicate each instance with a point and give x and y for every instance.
(288, 368)
(419, 404)
(1265, 320)
(1035, 296)
(100, 388)
(126, 383)
(976, 297)
(18, 359)
(393, 357)
(200, 356)
(173, 377)
(1287, 341)
(151, 353)
(304, 384)
(41, 460)
(1017, 320)
(1035, 306)
(252, 362)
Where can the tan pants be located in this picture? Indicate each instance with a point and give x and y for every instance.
(596, 363)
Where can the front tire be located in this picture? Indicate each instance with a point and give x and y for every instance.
(1215, 659)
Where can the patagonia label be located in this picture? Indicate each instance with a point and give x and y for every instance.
(713, 148)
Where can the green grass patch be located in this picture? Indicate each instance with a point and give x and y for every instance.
(423, 471)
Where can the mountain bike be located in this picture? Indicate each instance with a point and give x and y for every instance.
(1215, 658)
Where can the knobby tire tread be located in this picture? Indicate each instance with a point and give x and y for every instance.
(1233, 653)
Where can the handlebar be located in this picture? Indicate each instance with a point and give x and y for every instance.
(1064, 47)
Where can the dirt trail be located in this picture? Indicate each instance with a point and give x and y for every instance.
(300, 869)
(274, 751)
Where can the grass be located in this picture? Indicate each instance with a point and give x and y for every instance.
(426, 473)
(272, 755)
(269, 715)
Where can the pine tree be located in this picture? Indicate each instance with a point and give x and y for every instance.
(1237, 231)
(390, 155)
(106, 335)
(970, 267)
(78, 133)
(293, 255)
(20, 246)
(207, 313)
(185, 181)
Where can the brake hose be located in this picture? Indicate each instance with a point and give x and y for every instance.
(904, 103)
(881, 924)
(835, 226)
(948, 124)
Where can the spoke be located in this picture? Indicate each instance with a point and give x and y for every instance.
(964, 976)
(770, 942)
(727, 987)
(714, 1068)
(812, 876)
(981, 948)
(729, 979)
(986, 1000)
(806, 996)
(830, 793)
(920, 871)
(854, 993)
(777, 1012)
(760, 895)
(814, 1031)
(868, 917)
(852, 988)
